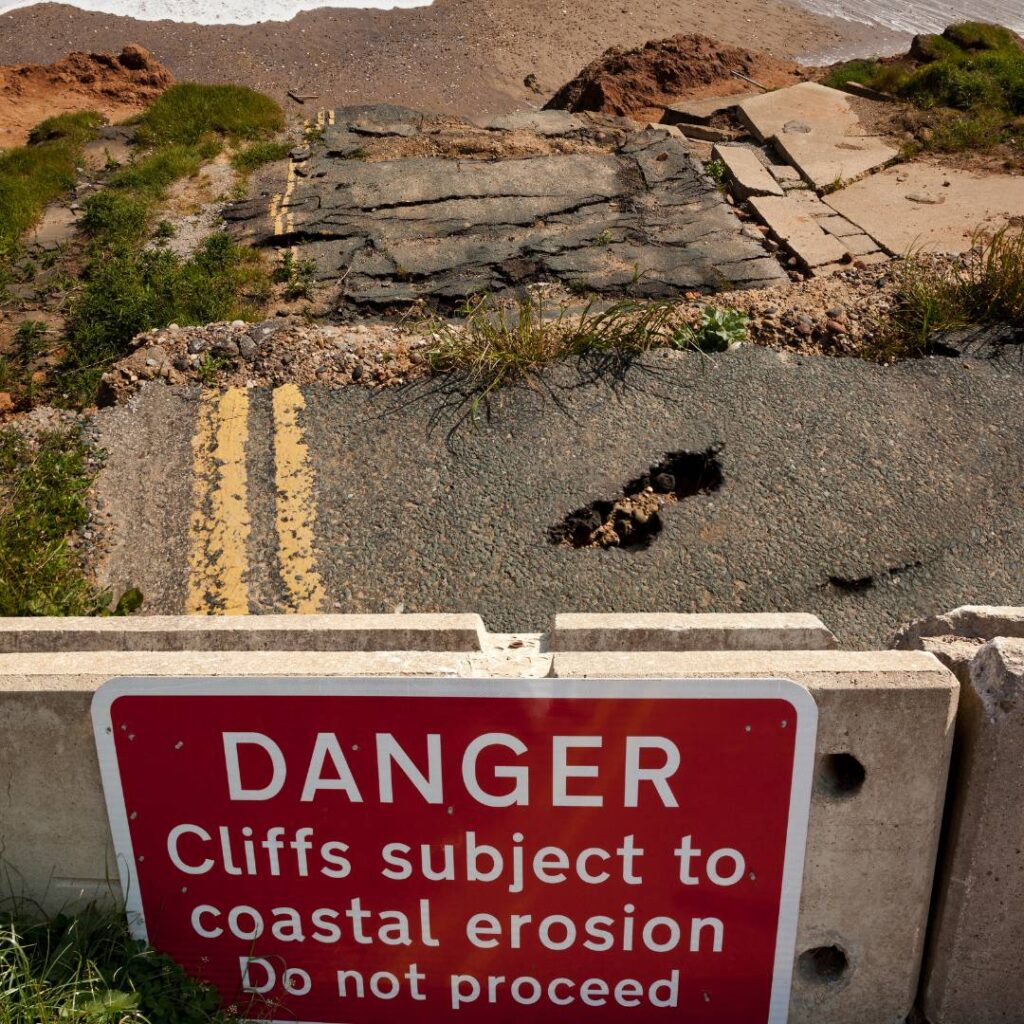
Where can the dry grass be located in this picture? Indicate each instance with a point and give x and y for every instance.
(985, 287)
(498, 342)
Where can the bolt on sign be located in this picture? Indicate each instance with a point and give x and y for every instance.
(354, 851)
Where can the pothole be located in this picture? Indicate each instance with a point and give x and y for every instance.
(860, 584)
(634, 520)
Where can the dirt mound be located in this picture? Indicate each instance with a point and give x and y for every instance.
(634, 82)
(116, 86)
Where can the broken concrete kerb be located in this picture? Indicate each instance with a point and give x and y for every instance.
(973, 974)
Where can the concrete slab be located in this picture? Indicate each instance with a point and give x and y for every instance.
(792, 224)
(705, 133)
(748, 176)
(784, 174)
(927, 207)
(973, 973)
(414, 632)
(984, 622)
(829, 161)
(697, 632)
(859, 245)
(872, 839)
(102, 153)
(804, 109)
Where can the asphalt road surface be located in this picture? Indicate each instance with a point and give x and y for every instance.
(869, 495)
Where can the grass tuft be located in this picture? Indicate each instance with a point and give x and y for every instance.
(78, 128)
(986, 287)
(87, 969)
(185, 113)
(498, 343)
(255, 155)
(35, 175)
(43, 489)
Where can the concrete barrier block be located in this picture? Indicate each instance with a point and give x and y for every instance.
(54, 840)
(981, 622)
(700, 632)
(245, 633)
(975, 967)
(885, 727)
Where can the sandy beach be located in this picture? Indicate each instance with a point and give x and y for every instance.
(458, 56)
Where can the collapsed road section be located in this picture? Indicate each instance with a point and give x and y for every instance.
(395, 206)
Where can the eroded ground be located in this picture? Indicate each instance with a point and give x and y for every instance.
(590, 202)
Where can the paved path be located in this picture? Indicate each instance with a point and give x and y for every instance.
(869, 495)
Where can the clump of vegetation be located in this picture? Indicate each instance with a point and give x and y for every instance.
(43, 488)
(497, 342)
(971, 77)
(717, 331)
(255, 155)
(298, 277)
(128, 288)
(984, 287)
(37, 174)
(88, 970)
(185, 113)
(716, 171)
(132, 290)
(120, 213)
(30, 340)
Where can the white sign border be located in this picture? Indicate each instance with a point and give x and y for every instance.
(799, 697)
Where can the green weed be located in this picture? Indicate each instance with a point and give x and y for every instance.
(717, 331)
(298, 277)
(30, 340)
(255, 155)
(37, 174)
(42, 502)
(985, 287)
(86, 969)
(128, 292)
(209, 369)
(185, 113)
(716, 172)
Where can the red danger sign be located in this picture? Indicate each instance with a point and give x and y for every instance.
(353, 851)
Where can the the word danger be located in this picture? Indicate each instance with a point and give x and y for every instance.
(506, 785)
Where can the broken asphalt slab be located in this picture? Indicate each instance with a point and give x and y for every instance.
(594, 204)
(868, 495)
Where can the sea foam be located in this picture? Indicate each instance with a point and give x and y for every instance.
(217, 12)
(920, 15)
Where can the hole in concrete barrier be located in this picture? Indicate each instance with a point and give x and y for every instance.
(633, 521)
(841, 774)
(824, 964)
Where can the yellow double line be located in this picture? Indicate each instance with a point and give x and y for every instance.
(280, 215)
(221, 523)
